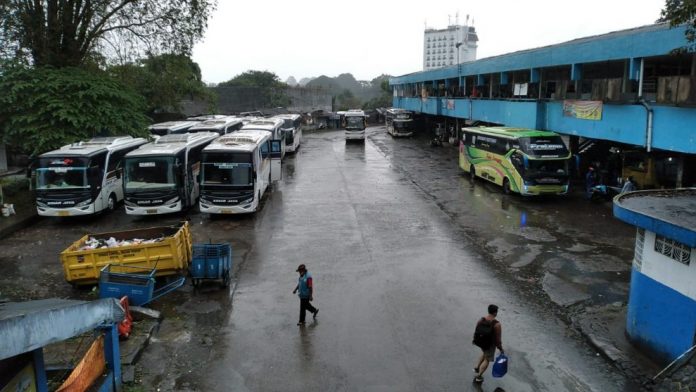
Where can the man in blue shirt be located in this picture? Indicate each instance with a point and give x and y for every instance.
(304, 286)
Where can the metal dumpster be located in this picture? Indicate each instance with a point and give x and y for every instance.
(138, 284)
(170, 254)
(211, 262)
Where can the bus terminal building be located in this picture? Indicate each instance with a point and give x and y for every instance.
(625, 101)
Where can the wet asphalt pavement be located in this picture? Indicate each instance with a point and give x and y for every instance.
(406, 255)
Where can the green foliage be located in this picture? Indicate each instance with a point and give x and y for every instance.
(44, 108)
(384, 100)
(164, 81)
(71, 33)
(678, 12)
(267, 85)
(346, 100)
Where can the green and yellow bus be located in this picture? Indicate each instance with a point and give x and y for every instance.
(524, 161)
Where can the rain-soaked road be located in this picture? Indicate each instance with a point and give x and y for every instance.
(398, 284)
(406, 255)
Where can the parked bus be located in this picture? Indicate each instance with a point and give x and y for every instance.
(171, 127)
(236, 171)
(355, 122)
(272, 125)
(206, 117)
(222, 125)
(292, 126)
(162, 176)
(399, 122)
(82, 178)
(525, 161)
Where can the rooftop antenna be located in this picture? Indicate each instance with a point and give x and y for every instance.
(449, 20)
(467, 19)
(456, 19)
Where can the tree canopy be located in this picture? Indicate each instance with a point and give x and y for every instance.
(164, 81)
(64, 33)
(678, 12)
(254, 79)
(44, 108)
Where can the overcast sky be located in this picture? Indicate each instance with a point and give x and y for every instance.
(309, 38)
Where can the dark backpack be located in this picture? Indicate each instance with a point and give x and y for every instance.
(484, 335)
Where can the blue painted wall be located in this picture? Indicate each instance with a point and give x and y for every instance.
(674, 128)
(659, 318)
(646, 41)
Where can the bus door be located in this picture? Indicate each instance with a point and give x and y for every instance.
(276, 156)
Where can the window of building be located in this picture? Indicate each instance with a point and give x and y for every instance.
(672, 249)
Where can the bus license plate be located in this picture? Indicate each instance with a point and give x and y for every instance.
(151, 211)
(226, 211)
(63, 213)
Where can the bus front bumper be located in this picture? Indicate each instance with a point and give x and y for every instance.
(238, 209)
(71, 211)
(154, 210)
(355, 135)
(538, 190)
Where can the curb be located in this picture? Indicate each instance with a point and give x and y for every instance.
(19, 225)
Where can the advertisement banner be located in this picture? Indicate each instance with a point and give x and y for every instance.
(586, 110)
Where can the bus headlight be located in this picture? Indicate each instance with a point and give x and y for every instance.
(83, 203)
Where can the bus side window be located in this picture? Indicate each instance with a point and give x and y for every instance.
(264, 150)
(517, 161)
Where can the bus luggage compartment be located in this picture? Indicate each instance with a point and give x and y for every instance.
(168, 254)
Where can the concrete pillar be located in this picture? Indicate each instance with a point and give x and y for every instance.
(680, 171)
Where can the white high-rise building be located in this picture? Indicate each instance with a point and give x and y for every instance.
(440, 46)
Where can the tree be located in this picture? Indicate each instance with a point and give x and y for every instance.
(64, 33)
(384, 99)
(346, 100)
(678, 12)
(164, 81)
(44, 108)
(267, 85)
(254, 79)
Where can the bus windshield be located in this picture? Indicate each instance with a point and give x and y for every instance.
(228, 169)
(546, 167)
(150, 173)
(62, 173)
(355, 123)
(288, 123)
(548, 146)
(402, 125)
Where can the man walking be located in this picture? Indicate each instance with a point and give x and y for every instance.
(488, 336)
(304, 286)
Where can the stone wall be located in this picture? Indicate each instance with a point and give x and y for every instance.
(682, 378)
(246, 99)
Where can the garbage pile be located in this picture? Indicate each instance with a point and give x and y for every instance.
(111, 242)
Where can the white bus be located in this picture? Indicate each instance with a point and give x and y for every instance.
(399, 122)
(82, 178)
(292, 127)
(236, 171)
(222, 125)
(171, 127)
(355, 123)
(162, 176)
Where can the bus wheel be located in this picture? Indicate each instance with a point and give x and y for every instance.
(111, 204)
(472, 173)
(506, 186)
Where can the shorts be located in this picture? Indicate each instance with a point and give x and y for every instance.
(489, 353)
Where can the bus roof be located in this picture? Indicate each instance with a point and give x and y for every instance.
(206, 117)
(241, 140)
(510, 132)
(397, 110)
(216, 124)
(173, 125)
(95, 145)
(354, 113)
(291, 116)
(172, 144)
(266, 124)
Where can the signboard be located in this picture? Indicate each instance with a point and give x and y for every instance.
(586, 110)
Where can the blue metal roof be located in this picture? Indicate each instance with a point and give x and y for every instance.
(646, 41)
(670, 213)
